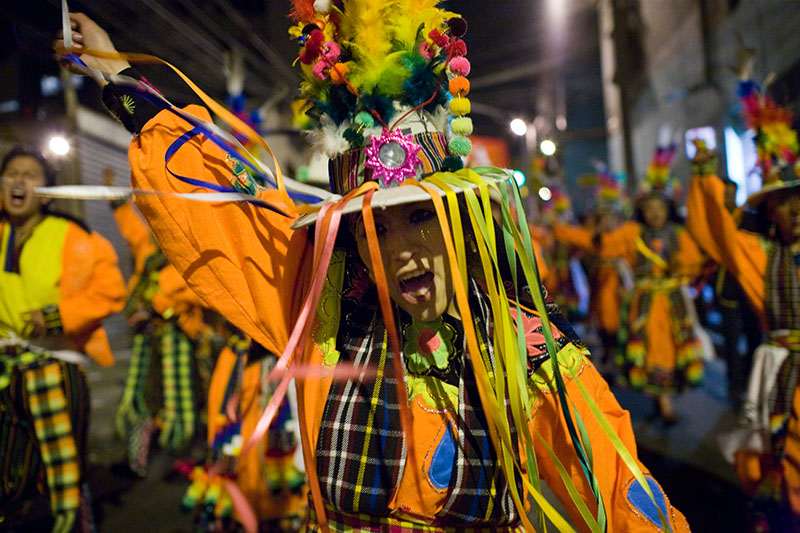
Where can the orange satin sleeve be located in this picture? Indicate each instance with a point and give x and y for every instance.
(613, 476)
(242, 260)
(577, 236)
(688, 260)
(620, 243)
(92, 287)
(715, 230)
(136, 234)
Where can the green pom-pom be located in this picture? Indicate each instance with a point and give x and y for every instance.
(365, 120)
(452, 163)
(353, 137)
(461, 126)
(460, 146)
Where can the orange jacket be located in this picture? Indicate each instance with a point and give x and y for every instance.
(91, 288)
(249, 264)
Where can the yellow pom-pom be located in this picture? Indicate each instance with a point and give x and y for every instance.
(339, 72)
(460, 106)
(458, 86)
(461, 126)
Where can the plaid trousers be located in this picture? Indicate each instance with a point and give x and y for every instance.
(44, 414)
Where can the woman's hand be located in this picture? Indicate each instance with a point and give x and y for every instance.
(86, 34)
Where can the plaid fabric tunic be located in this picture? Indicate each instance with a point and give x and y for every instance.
(782, 306)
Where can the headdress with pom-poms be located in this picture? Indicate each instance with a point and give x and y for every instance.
(607, 188)
(776, 141)
(382, 80)
(659, 180)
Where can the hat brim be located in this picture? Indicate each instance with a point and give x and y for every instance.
(386, 198)
(756, 200)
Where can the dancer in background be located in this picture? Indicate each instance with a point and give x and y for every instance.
(610, 279)
(58, 281)
(764, 260)
(170, 347)
(662, 353)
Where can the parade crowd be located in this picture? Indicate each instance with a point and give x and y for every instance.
(451, 346)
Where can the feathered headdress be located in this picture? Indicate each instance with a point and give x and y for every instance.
(374, 66)
(658, 179)
(776, 141)
(607, 188)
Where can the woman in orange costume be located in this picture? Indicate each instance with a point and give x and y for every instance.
(606, 290)
(766, 449)
(58, 281)
(662, 353)
(255, 268)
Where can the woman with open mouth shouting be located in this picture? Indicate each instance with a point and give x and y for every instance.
(58, 281)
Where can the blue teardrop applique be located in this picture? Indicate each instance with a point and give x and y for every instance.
(441, 469)
(642, 502)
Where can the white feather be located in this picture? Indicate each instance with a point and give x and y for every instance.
(329, 138)
(322, 6)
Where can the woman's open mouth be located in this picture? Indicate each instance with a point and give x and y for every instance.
(417, 286)
(18, 197)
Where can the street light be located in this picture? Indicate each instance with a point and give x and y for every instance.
(58, 145)
(519, 127)
(519, 177)
(548, 147)
(545, 193)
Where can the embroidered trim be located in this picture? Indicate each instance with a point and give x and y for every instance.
(329, 310)
(52, 320)
(433, 393)
(572, 364)
(427, 344)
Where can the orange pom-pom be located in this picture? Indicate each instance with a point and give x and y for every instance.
(458, 86)
(339, 72)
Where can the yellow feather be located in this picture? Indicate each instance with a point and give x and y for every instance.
(365, 29)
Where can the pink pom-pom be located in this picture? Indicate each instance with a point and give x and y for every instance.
(460, 66)
(424, 50)
(331, 51)
(319, 69)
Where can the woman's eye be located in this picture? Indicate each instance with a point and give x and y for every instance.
(380, 229)
(418, 216)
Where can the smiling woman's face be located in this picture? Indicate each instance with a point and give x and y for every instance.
(783, 210)
(414, 258)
